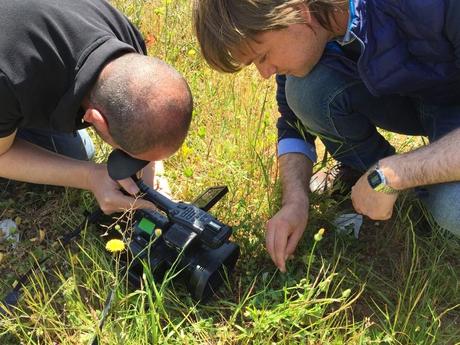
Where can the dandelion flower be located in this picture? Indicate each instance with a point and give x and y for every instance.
(115, 245)
(319, 235)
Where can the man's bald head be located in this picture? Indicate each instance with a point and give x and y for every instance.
(147, 104)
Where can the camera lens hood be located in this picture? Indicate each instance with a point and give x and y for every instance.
(209, 270)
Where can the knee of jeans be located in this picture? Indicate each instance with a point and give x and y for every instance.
(310, 97)
(443, 200)
(87, 143)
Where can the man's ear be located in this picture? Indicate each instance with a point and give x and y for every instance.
(304, 12)
(100, 124)
(96, 119)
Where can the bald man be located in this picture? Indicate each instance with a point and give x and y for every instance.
(66, 65)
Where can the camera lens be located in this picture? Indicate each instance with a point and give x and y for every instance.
(209, 269)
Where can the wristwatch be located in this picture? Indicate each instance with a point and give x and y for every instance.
(378, 182)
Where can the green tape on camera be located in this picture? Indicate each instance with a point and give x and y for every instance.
(147, 226)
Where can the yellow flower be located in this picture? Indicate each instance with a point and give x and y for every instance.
(158, 232)
(346, 293)
(115, 245)
(319, 235)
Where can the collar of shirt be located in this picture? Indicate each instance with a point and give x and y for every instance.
(353, 22)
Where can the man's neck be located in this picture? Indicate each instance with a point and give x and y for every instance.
(340, 20)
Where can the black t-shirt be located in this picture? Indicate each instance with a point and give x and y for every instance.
(51, 52)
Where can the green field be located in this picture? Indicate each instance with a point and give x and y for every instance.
(398, 284)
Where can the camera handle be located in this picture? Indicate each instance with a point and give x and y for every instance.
(212, 232)
(120, 165)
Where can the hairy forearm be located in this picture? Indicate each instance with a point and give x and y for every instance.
(438, 162)
(29, 163)
(295, 172)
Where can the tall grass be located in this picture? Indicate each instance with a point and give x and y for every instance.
(393, 286)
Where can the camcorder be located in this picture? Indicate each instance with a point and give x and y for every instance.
(180, 236)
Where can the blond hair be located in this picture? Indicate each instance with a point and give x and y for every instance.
(224, 25)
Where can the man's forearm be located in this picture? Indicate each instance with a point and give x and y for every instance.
(29, 163)
(286, 227)
(295, 170)
(438, 162)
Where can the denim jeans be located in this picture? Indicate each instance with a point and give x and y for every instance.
(76, 145)
(344, 115)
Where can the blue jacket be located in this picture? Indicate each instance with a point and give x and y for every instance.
(408, 47)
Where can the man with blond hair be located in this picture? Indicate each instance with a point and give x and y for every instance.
(344, 68)
(66, 65)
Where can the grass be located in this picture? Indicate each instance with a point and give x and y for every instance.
(394, 285)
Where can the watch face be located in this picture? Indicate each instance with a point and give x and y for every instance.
(374, 179)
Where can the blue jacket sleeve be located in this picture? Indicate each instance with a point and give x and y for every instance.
(292, 135)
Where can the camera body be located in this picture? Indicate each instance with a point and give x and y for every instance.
(160, 244)
(183, 236)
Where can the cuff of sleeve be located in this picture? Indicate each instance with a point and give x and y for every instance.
(293, 145)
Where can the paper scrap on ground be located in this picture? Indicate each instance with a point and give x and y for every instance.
(349, 223)
(9, 231)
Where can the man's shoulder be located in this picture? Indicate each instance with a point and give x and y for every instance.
(36, 9)
(60, 16)
(407, 9)
(57, 34)
(54, 49)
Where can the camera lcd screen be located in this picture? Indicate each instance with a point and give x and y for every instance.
(210, 196)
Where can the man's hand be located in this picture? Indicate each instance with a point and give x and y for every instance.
(375, 205)
(286, 227)
(154, 175)
(109, 195)
(438, 162)
(284, 231)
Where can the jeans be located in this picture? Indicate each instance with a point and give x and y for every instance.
(76, 145)
(345, 115)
